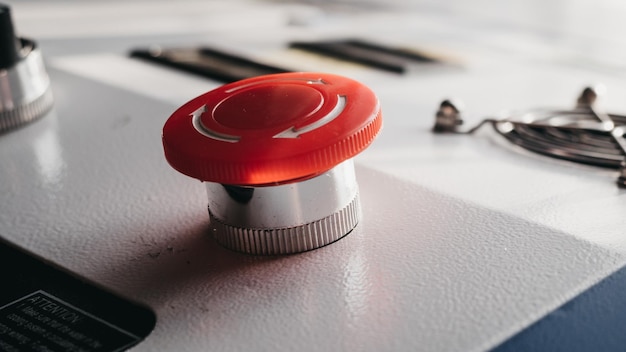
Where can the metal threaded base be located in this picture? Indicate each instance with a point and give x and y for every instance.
(288, 240)
(26, 113)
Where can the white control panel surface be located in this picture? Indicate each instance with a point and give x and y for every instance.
(466, 240)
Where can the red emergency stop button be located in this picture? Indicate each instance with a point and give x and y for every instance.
(276, 154)
(272, 129)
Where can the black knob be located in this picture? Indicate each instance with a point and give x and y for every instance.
(9, 43)
(25, 95)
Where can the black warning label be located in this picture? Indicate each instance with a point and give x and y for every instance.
(41, 322)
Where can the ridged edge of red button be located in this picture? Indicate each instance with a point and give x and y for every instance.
(247, 174)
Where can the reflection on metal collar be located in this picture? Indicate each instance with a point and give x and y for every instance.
(288, 218)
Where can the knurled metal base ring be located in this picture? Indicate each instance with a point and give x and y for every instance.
(288, 240)
(26, 113)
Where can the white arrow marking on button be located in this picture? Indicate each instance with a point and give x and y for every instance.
(294, 132)
(205, 131)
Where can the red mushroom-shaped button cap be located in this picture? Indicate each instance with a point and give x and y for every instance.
(272, 129)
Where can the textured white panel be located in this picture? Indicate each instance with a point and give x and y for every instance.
(465, 240)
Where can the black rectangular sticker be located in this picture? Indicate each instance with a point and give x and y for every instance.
(42, 322)
(45, 308)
